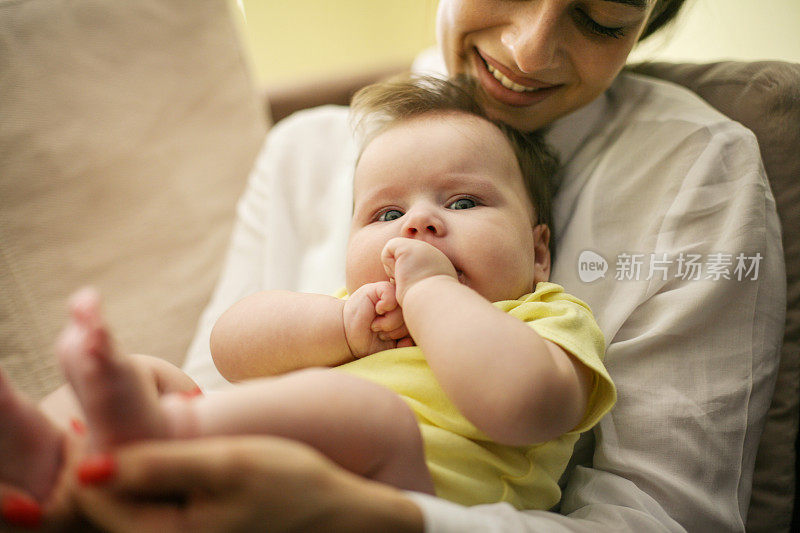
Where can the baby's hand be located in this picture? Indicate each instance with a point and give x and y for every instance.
(408, 261)
(373, 320)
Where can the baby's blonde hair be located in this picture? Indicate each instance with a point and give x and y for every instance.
(377, 107)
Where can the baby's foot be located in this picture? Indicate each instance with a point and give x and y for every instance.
(31, 447)
(120, 401)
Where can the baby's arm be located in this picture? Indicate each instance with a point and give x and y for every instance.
(507, 380)
(273, 332)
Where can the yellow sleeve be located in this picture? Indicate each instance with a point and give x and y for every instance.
(341, 294)
(568, 322)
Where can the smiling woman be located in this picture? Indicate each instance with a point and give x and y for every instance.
(640, 159)
(545, 59)
(649, 170)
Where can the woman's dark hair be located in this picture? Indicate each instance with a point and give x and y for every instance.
(664, 12)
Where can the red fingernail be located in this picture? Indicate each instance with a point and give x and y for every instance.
(21, 512)
(77, 426)
(97, 470)
(191, 393)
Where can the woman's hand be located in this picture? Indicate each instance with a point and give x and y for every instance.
(373, 320)
(240, 484)
(20, 511)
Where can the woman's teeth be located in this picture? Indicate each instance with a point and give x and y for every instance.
(507, 83)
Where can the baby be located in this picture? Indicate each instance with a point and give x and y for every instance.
(450, 365)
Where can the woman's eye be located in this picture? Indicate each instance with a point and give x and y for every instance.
(596, 28)
(389, 215)
(463, 203)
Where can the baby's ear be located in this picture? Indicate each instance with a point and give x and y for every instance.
(541, 246)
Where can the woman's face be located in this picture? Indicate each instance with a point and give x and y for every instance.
(537, 60)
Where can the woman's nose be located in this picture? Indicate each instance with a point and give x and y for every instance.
(532, 36)
(422, 222)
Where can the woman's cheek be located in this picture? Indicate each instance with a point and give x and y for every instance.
(455, 20)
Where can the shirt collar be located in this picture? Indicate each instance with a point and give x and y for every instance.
(568, 133)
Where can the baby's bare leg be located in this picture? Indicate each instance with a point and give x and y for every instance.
(31, 446)
(35, 441)
(363, 427)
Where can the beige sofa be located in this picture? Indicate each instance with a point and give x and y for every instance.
(127, 130)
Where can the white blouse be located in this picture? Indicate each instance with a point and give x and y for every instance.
(664, 224)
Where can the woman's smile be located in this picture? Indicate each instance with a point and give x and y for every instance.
(502, 85)
(539, 61)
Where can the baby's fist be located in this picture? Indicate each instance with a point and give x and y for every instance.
(408, 261)
(373, 319)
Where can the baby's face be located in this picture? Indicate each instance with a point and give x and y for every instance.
(451, 180)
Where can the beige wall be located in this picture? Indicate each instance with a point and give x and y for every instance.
(293, 39)
(710, 30)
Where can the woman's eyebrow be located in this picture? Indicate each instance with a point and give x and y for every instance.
(639, 4)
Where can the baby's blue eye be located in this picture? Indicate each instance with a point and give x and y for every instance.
(391, 214)
(463, 203)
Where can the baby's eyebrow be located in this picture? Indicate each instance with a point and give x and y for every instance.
(471, 182)
(374, 195)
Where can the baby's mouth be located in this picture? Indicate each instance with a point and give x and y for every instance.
(461, 277)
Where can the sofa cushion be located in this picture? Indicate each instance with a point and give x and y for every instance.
(128, 130)
(765, 97)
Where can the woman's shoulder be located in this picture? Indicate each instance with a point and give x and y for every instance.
(652, 119)
(324, 123)
(637, 98)
(308, 142)
(640, 120)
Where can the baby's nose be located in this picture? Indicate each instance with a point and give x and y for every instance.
(414, 229)
(422, 222)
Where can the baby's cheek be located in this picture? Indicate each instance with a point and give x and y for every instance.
(363, 264)
(508, 272)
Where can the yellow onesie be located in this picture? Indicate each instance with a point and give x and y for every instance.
(466, 466)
